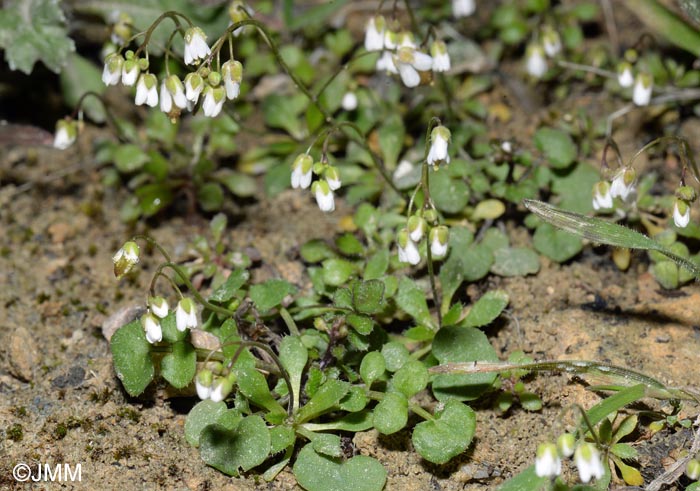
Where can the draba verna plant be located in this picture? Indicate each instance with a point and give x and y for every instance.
(388, 124)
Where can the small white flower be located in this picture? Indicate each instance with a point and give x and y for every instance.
(681, 213)
(185, 315)
(408, 250)
(66, 133)
(112, 71)
(587, 459)
(349, 102)
(332, 178)
(386, 63)
(125, 258)
(416, 228)
(196, 46)
(439, 138)
(409, 62)
(391, 39)
(441, 59)
(146, 91)
(535, 61)
(551, 42)
(566, 444)
(643, 87)
(202, 383)
(374, 33)
(159, 307)
(213, 101)
(172, 91)
(439, 238)
(194, 85)
(602, 198)
(406, 40)
(624, 75)
(547, 462)
(463, 8)
(302, 171)
(130, 72)
(154, 333)
(623, 183)
(324, 196)
(220, 389)
(232, 74)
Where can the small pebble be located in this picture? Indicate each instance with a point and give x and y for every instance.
(23, 354)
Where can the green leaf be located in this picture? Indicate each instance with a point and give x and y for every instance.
(131, 353)
(170, 331)
(395, 355)
(527, 480)
(354, 422)
(34, 30)
(281, 438)
(515, 261)
(355, 400)
(391, 136)
(361, 323)
(203, 414)
(448, 435)
(293, 356)
(604, 232)
(449, 195)
(283, 111)
(228, 289)
(129, 158)
(624, 451)
(270, 294)
(377, 265)
(253, 385)
(231, 451)
(81, 76)
(411, 378)
(556, 244)
(530, 401)
(180, 365)
(326, 397)
(574, 187)
(372, 367)
(336, 272)
(316, 250)
(391, 414)
(487, 308)
(326, 444)
(153, 198)
(316, 472)
(241, 185)
(349, 245)
(614, 403)
(462, 344)
(664, 22)
(411, 299)
(210, 196)
(368, 296)
(557, 146)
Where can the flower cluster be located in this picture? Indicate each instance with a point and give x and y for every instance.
(410, 236)
(157, 309)
(401, 55)
(642, 82)
(537, 52)
(211, 382)
(622, 186)
(177, 95)
(303, 170)
(586, 457)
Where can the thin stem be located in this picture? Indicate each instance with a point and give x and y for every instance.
(151, 241)
(181, 273)
(610, 25)
(170, 14)
(411, 17)
(413, 407)
(586, 68)
(159, 273)
(111, 122)
(289, 321)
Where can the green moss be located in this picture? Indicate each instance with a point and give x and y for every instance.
(15, 432)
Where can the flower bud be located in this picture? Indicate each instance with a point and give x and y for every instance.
(150, 323)
(565, 444)
(416, 228)
(125, 259)
(692, 470)
(159, 307)
(332, 177)
(439, 238)
(686, 193)
(185, 314)
(203, 383)
(408, 250)
(220, 389)
(301, 171)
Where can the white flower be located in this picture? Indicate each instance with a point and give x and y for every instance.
(409, 62)
(692, 470)
(681, 213)
(547, 462)
(112, 71)
(588, 461)
(643, 87)
(406, 40)
(439, 138)
(391, 39)
(213, 100)
(551, 42)
(374, 33)
(565, 444)
(194, 84)
(66, 133)
(302, 171)
(125, 258)
(202, 383)
(416, 228)
(130, 72)
(146, 91)
(172, 91)
(623, 183)
(349, 102)
(154, 333)
(441, 59)
(196, 46)
(238, 11)
(439, 238)
(159, 307)
(602, 198)
(463, 8)
(624, 75)
(232, 74)
(332, 178)
(220, 389)
(324, 196)
(386, 63)
(185, 315)
(535, 62)
(408, 250)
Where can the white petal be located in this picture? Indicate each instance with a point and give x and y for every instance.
(422, 61)
(409, 75)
